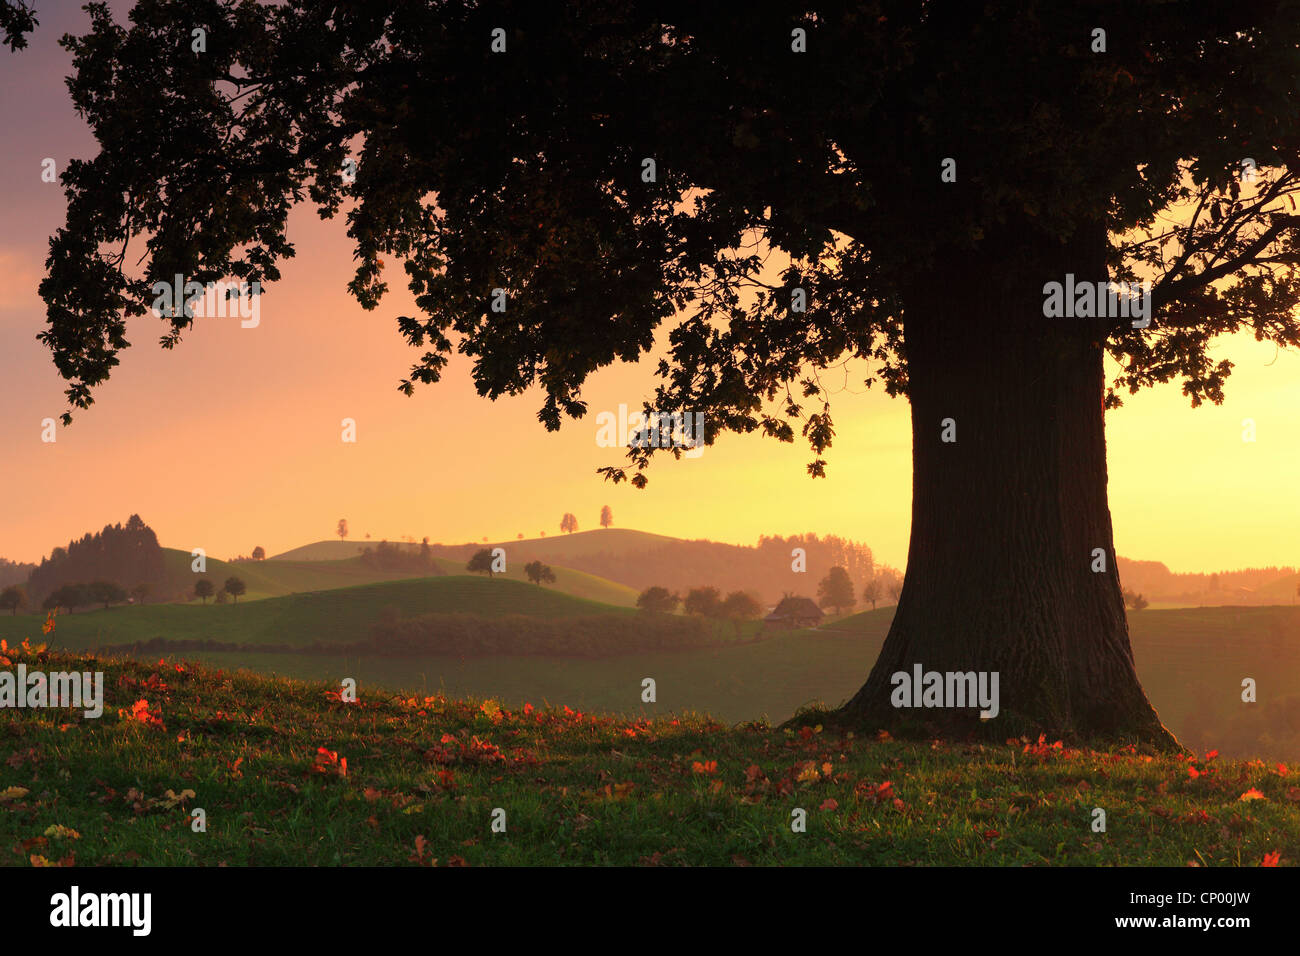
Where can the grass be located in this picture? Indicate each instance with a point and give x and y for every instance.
(339, 615)
(278, 577)
(286, 775)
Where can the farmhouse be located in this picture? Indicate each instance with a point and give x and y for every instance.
(794, 612)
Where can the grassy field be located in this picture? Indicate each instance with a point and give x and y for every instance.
(340, 615)
(285, 775)
(1191, 663)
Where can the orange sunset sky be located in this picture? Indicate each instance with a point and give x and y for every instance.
(233, 439)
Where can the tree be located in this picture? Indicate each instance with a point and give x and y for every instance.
(896, 590)
(69, 596)
(738, 607)
(203, 589)
(657, 600)
(342, 529)
(259, 553)
(836, 590)
(481, 561)
(538, 572)
(568, 524)
(706, 602)
(1134, 600)
(871, 592)
(12, 598)
(140, 592)
(235, 587)
(606, 516)
(900, 194)
(17, 18)
(106, 592)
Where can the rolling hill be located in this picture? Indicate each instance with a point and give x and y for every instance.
(337, 615)
(280, 576)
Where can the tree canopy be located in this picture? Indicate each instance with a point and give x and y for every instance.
(522, 170)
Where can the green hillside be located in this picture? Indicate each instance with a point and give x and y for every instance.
(339, 615)
(274, 578)
(279, 576)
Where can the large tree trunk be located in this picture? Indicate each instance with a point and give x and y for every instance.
(1006, 519)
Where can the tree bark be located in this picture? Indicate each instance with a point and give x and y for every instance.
(1006, 518)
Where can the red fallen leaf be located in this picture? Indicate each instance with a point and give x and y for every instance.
(991, 834)
(753, 773)
(709, 766)
(1193, 772)
(805, 732)
(884, 735)
(1252, 794)
(1271, 859)
(1281, 770)
(1211, 755)
(829, 804)
(457, 861)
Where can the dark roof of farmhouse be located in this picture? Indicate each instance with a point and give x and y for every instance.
(795, 607)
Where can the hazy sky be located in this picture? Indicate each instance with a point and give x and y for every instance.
(233, 439)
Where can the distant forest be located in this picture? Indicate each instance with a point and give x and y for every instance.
(14, 572)
(128, 555)
(764, 570)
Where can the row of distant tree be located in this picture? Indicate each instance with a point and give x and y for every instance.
(73, 595)
(233, 588)
(738, 606)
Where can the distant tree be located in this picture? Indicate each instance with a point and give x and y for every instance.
(259, 553)
(836, 590)
(1134, 600)
(568, 524)
(140, 592)
(1214, 582)
(204, 589)
(871, 592)
(12, 598)
(738, 606)
(69, 596)
(106, 592)
(235, 587)
(222, 597)
(541, 534)
(896, 589)
(520, 536)
(538, 572)
(606, 517)
(706, 602)
(426, 553)
(658, 600)
(342, 529)
(482, 561)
